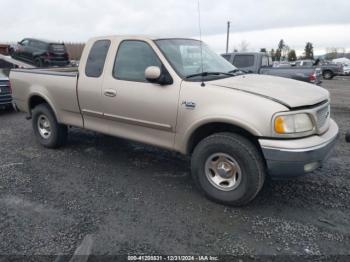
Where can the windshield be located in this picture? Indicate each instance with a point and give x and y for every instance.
(185, 57)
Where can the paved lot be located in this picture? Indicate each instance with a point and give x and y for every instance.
(137, 199)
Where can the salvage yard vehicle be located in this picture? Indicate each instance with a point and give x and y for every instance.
(41, 53)
(329, 70)
(261, 63)
(346, 69)
(5, 91)
(180, 95)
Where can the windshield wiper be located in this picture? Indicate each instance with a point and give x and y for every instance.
(209, 74)
(235, 71)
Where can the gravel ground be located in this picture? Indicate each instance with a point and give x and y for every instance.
(134, 199)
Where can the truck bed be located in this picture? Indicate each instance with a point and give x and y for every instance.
(58, 86)
(58, 71)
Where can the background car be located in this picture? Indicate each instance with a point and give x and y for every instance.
(40, 52)
(329, 70)
(346, 69)
(5, 90)
(261, 63)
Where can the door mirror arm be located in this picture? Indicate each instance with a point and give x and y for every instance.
(165, 78)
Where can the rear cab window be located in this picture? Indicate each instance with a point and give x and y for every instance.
(243, 61)
(96, 59)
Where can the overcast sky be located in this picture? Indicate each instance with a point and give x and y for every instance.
(261, 23)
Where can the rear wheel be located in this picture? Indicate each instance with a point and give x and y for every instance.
(228, 169)
(328, 75)
(47, 130)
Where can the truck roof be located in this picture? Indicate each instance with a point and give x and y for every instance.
(144, 37)
(246, 53)
(46, 41)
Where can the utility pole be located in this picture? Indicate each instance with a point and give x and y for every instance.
(228, 36)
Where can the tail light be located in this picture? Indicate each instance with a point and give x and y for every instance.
(313, 77)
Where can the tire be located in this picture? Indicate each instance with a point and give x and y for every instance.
(347, 137)
(248, 162)
(56, 134)
(328, 75)
(38, 62)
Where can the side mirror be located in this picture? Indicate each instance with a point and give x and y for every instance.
(156, 75)
(153, 73)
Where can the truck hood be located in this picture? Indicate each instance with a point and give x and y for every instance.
(288, 92)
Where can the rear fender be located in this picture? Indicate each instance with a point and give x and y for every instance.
(46, 99)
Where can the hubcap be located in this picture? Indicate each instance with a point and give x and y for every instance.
(44, 126)
(223, 172)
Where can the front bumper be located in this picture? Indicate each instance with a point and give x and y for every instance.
(287, 158)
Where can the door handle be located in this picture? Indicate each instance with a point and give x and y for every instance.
(110, 93)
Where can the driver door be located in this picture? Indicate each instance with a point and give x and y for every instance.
(133, 107)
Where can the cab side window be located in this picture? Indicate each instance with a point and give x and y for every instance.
(96, 59)
(132, 59)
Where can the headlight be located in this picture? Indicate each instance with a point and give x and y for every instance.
(290, 124)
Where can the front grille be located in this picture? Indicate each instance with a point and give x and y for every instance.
(323, 116)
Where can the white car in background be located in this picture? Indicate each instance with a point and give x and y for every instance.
(346, 69)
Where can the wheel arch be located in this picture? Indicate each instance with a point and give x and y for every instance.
(203, 130)
(36, 99)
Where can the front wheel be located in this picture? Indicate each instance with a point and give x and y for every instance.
(228, 169)
(38, 62)
(47, 130)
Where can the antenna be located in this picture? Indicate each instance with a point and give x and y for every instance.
(200, 38)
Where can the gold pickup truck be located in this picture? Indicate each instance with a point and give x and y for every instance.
(178, 94)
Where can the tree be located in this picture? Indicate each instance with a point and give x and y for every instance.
(263, 50)
(273, 54)
(278, 55)
(281, 45)
(334, 52)
(292, 56)
(309, 51)
(282, 50)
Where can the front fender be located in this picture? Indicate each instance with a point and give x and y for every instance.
(183, 141)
